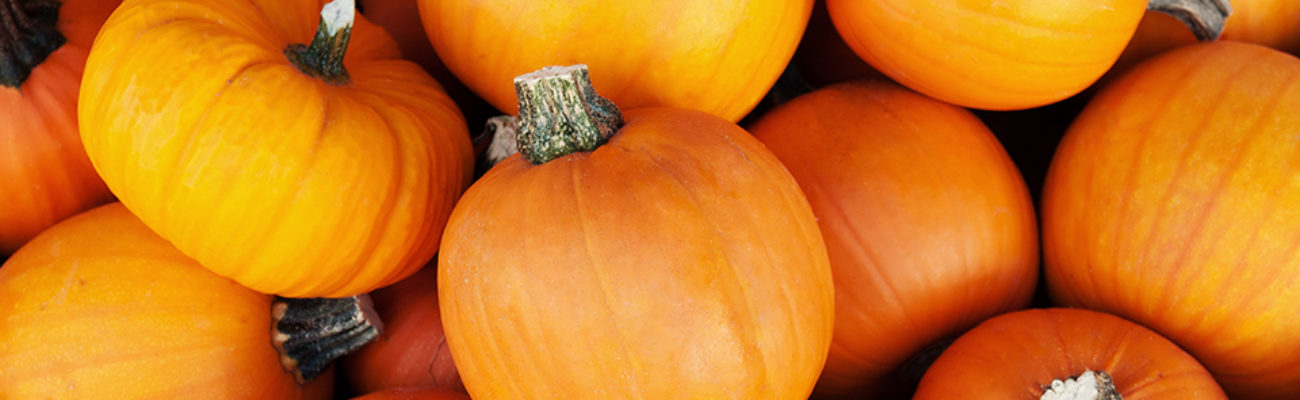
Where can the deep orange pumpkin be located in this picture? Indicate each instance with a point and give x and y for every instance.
(1271, 23)
(1019, 355)
(46, 176)
(99, 306)
(412, 350)
(929, 227)
(270, 167)
(719, 57)
(1172, 202)
(677, 260)
(415, 394)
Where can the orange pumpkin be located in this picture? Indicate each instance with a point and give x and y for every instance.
(995, 55)
(1049, 353)
(1172, 202)
(306, 171)
(1270, 23)
(412, 350)
(46, 175)
(716, 57)
(99, 306)
(414, 394)
(661, 253)
(929, 227)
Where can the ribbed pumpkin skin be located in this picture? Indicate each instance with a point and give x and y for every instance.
(1172, 202)
(100, 307)
(1001, 55)
(412, 349)
(201, 126)
(46, 175)
(678, 260)
(715, 56)
(415, 394)
(929, 227)
(1014, 356)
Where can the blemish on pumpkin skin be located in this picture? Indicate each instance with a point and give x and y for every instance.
(67, 284)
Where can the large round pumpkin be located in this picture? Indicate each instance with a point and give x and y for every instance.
(676, 260)
(99, 306)
(306, 171)
(719, 57)
(46, 176)
(1051, 353)
(996, 55)
(1172, 201)
(929, 227)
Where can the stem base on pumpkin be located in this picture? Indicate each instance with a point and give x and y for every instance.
(561, 114)
(311, 333)
(1090, 385)
(324, 57)
(28, 34)
(1206, 18)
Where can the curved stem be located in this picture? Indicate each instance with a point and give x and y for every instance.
(311, 333)
(29, 32)
(1090, 385)
(324, 57)
(1206, 18)
(561, 114)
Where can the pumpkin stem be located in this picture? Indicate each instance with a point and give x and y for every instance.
(311, 333)
(1205, 17)
(501, 132)
(324, 57)
(561, 114)
(29, 32)
(1091, 385)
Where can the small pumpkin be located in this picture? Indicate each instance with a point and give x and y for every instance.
(412, 349)
(414, 394)
(928, 224)
(1064, 353)
(98, 306)
(653, 253)
(1172, 202)
(716, 57)
(321, 170)
(46, 175)
(1002, 55)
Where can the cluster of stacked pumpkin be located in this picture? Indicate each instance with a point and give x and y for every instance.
(219, 199)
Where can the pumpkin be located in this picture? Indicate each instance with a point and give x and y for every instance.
(657, 253)
(1053, 353)
(1266, 22)
(321, 170)
(1001, 55)
(412, 350)
(1172, 202)
(47, 176)
(920, 250)
(414, 394)
(98, 306)
(711, 56)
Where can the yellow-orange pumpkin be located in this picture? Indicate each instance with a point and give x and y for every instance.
(274, 168)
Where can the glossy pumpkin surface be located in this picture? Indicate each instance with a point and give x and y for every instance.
(1018, 355)
(99, 306)
(46, 175)
(411, 351)
(1000, 55)
(1172, 202)
(929, 227)
(677, 260)
(715, 56)
(290, 185)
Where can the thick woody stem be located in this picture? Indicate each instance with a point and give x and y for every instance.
(324, 57)
(311, 333)
(1205, 17)
(28, 34)
(561, 114)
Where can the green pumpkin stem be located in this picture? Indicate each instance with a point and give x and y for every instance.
(1090, 385)
(561, 114)
(324, 57)
(1205, 17)
(311, 333)
(29, 32)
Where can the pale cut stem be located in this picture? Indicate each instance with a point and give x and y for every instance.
(1206, 18)
(323, 58)
(1090, 385)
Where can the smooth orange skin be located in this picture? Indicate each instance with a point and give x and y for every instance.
(414, 394)
(679, 260)
(1014, 356)
(1171, 202)
(200, 125)
(929, 227)
(46, 175)
(100, 307)
(715, 56)
(412, 349)
(1003, 55)
(1270, 23)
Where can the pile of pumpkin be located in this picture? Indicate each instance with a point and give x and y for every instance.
(768, 199)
